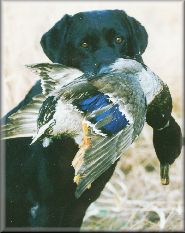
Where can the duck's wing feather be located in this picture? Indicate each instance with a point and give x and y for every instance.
(54, 76)
(91, 162)
(23, 123)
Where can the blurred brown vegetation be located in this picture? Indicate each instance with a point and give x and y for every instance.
(134, 199)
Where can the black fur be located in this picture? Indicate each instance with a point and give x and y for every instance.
(44, 176)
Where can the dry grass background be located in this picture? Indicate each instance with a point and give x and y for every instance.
(134, 199)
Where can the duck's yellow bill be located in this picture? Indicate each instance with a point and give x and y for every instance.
(164, 172)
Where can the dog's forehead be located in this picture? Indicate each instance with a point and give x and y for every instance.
(98, 19)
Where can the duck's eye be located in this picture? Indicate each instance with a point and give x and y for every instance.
(119, 39)
(84, 45)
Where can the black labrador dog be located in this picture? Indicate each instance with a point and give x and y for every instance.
(39, 181)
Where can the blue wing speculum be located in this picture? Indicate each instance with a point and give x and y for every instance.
(114, 120)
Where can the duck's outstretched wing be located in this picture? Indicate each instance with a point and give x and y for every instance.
(23, 123)
(54, 76)
(115, 117)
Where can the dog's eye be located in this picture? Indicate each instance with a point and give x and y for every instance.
(119, 39)
(84, 45)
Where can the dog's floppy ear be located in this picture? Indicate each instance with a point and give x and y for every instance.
(138, 38)
(53, 41)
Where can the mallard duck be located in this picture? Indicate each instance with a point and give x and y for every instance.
(104, 113)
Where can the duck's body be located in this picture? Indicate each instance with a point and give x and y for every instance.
(103, 113)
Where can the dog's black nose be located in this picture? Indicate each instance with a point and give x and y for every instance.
(95, 69)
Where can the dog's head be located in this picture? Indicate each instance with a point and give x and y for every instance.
(91, 40)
